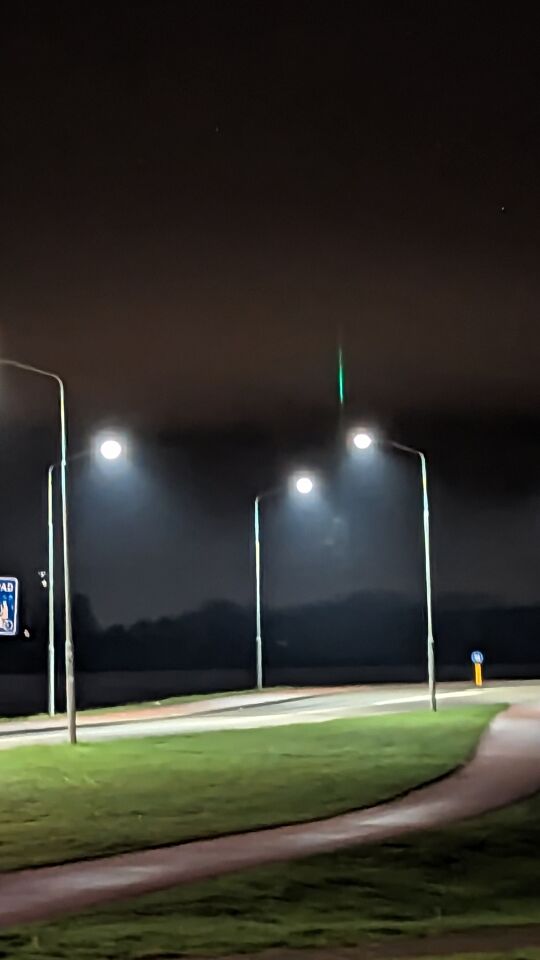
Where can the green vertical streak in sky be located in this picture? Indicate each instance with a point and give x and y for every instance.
(341, 377)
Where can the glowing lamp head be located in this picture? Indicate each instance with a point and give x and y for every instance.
(362, 440)
(111, 449)
(304, 485)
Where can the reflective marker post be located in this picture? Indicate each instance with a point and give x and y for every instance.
(477, 658)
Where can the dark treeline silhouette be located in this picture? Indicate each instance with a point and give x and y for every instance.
(217, 636)
(371, 637)
(364, 628)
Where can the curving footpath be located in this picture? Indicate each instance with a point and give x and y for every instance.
(505, 768)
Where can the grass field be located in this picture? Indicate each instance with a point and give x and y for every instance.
(480, 875)
(59, 803)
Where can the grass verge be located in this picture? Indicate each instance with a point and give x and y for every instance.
(61, 803)
(480, 875)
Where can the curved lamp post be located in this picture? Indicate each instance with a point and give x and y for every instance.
(70, 672)
(362, 440)
(304, 485)
(110, 449)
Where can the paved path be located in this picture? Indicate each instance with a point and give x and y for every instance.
(160, 711)
(505, 768)
(264, 709)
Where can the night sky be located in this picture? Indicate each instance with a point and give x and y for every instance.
(196, 198)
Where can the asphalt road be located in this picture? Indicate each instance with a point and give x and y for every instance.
(246, 712)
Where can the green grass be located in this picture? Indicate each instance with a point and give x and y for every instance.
(478, 875)
(60, 803)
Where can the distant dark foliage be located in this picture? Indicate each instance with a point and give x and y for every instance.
(362, 629)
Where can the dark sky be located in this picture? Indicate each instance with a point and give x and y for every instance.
(196, 196)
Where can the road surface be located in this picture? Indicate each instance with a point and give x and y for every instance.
(269, 709)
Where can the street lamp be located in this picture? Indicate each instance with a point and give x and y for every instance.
(303, 484)
(362, 439)
(70, 671)
(110, 449)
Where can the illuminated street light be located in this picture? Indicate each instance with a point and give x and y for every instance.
(110, 449)
(303, 485)
(362, 440)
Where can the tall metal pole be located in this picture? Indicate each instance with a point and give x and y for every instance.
(258, 639)
(51, 650)
(50, 579)
(427, 559)
(427, 567)
(69, 658)
(70, 674)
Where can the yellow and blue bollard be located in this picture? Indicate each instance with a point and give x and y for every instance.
(477, 658)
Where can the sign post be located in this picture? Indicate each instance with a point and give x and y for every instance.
(477, 658)
(9, 606)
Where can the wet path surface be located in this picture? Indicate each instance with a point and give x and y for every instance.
(505, 768)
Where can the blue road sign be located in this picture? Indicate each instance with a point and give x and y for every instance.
(477, 656)
(9, 606)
